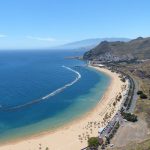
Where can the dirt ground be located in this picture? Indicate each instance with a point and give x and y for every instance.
(136, 136)
(131, 132)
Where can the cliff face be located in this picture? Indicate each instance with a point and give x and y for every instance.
(137, 48)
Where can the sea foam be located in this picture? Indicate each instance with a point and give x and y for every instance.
(50, 94)
(65, 86)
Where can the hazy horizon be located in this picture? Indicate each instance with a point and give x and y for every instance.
(30, 24)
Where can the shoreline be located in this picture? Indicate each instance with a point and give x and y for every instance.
(73, 129)
(63, 126)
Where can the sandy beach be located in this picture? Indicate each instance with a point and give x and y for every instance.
(75, 134)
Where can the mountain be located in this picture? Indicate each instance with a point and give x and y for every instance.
(138, 48)
(89, 43)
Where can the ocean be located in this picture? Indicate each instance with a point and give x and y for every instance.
(41, 90)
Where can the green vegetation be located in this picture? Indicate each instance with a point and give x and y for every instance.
(140, 72)
(129, 117)
(142, 95)
(114, 130)
(137, 48)
(107, 141)
(93, 142)
(139, 92)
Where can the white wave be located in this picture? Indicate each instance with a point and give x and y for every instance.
(65, 86)
(52, 93)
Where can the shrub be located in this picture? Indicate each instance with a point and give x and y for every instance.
(139, 92)
(107, 141)
(143, 96)
(114, 130)
(111, 136)
(93, 142)
(130, 117)
(117, 125)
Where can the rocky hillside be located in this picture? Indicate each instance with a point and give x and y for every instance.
(89, 43)
(138, 48)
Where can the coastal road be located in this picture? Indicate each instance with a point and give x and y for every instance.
(135, 96)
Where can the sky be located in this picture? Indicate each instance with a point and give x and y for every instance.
(47, 23)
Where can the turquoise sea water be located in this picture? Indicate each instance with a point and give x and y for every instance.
(41, 90)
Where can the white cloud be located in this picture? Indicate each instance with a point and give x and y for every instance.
(48, 39)
(3, 35)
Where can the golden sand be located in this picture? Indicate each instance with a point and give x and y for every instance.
(74, 135)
